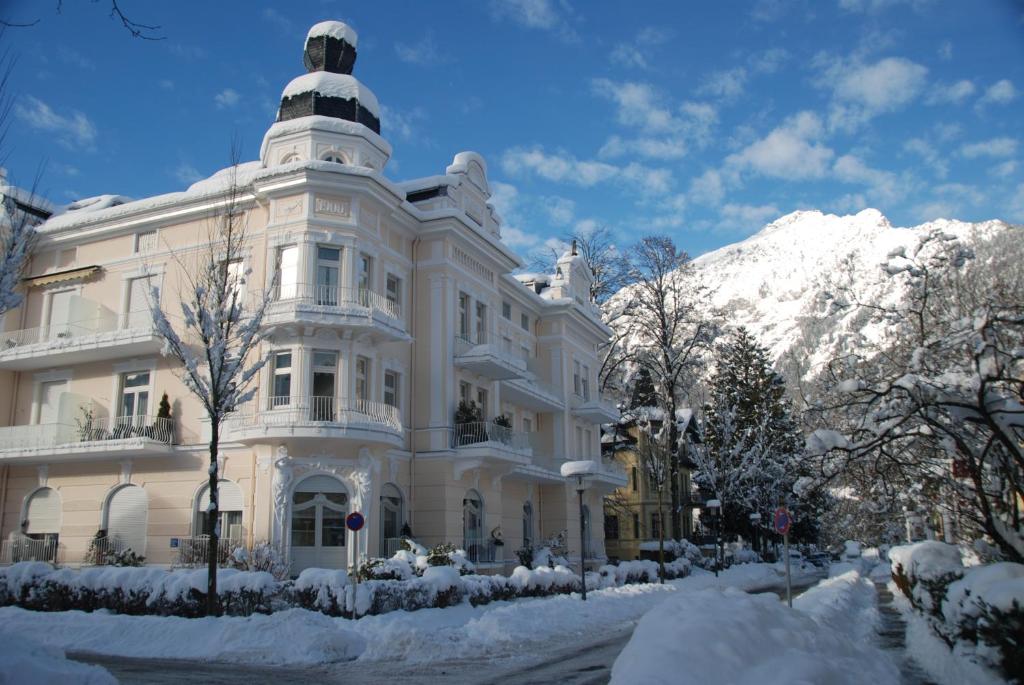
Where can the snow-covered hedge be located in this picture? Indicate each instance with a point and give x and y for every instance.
(977, 611)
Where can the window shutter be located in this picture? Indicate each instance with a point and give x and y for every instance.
(127, 515)
(230, 497)
(43, 512)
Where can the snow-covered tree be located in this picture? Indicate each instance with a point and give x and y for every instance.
(749, 457)
(655, 458)
(218, 344)
(662, 331)
(938, 405)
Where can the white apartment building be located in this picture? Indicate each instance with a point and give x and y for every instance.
(392, 304)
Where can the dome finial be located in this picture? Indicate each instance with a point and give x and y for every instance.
(330, 46)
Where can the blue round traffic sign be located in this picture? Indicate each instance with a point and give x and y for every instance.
(354, 521)
(782, 520)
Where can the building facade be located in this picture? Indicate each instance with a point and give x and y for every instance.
(391, 304)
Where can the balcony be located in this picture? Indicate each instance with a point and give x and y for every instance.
(487, 359)
(317, 418)
(307, 304)
(97, 338)
(531, 392)
(88, 438)
(594, 409)
(483, 442)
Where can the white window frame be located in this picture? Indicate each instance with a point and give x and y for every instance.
(396, 390)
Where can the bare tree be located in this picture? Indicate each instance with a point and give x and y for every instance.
(607, 262)
(657, 461)
(663, 330)
(136, 29)
(219, 346)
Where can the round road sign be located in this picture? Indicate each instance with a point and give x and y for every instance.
(782, 520)
(354, 521)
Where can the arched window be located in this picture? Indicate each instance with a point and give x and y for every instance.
(527, 525)
(319, 506)
(473, 524)
(43, 515)
(229, 503)
(391, 518)
(588, 551)
(333, 156)
(127, 516)
(290, 158)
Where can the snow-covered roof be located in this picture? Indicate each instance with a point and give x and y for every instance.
(329, 84)
(334, 29)
(321, 123)
(93, 204)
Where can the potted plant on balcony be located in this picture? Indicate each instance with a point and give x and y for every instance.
(468, 417)
(161, 428)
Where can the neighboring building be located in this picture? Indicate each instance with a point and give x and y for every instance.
(631, 519)
(393, 303)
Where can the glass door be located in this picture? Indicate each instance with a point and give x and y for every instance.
(325, 366)
(134, 404)
(328, 269)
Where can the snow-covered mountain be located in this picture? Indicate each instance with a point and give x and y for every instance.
(777, 282)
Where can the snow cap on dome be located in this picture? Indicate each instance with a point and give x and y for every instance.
(333, 85)
(334, 29)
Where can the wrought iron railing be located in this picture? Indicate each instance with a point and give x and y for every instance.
(104, 550)
(195, 550)
(284, 410)
(465, 434)
(480, 551)
(88, 429)
(391, 546)
(336, 297)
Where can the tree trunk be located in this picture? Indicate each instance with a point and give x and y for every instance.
(661, 538)
(213, 525)
(673, 450)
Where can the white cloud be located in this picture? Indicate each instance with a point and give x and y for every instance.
(946, 51)
(955, 93)
(769, 61)
(1005, 169)
(228, 97)
(707, 189)
(402, 124)
(875, 6)
(505, 199)
(745, 218)
(883, 185)
(564, 168)
(789, 152)
(187, 174)
(999, 93)
(995, 147)
(536, 14)
(1017, 204)
(560, 210)
(862, 91)
(424, 52)
(637, 53)
(725, 84)
(652, 148)
(927, 152)
(73, 131)
(851, 203)
(639, 104)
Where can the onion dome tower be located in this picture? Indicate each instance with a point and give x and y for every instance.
(338, 115)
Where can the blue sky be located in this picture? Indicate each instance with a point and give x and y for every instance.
(697, 119)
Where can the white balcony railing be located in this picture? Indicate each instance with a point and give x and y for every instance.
(290, 410)
(391, 546)
(334, 296)
(88, 431)
(466, 434)
(69, 332)
(23, 548)
(194, 551)
(104, 550)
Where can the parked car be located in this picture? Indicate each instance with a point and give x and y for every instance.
(820, 559)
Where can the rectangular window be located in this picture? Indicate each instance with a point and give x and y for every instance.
(465, 392)
(464, 316)
(393, 290)
(611, 527)
(137, 312)
(281, 396)
(577, 375)
(481, 399)
(524, 322)
(635, 479)
(134, 394)
(325, 366)
(145, 242)
(362, 378)
(391, 388)
(365, 271)
(636, 526)
(655, 526)
(481, 323)
(234, 275)
(527, 425)
(328, 270)
(506, 311)
(585, 380)
(286, 272)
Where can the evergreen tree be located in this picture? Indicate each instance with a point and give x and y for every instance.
(749, 458)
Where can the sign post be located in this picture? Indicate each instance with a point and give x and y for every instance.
(782, 521)
(355, 522)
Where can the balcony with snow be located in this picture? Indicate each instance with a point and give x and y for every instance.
(531, 392)
(477, 352)
(317, 421)
(486, 443)
(78, 331)
(320, 305)
(605, 473)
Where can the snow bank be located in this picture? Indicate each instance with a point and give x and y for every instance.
(926, 560)
(732, 637)
(845, 603)
(288, 637)
(24, 661)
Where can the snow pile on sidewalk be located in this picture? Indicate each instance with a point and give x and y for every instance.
(846, 603)
(24, 661)
(978, 610)
(729, 636)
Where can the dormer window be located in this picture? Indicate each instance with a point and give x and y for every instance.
(333, 156)
(290, 158)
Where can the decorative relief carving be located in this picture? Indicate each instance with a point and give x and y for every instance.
(332, 206)
(287, 207)
(43, 472)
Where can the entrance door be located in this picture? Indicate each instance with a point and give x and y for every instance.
(319, 507)
(328, 264)
(60, 312)
(324, 367)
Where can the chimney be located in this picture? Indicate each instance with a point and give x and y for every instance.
(574, 247)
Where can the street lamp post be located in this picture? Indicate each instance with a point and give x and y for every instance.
(578, 471)
(755, 521)
(715, 507)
